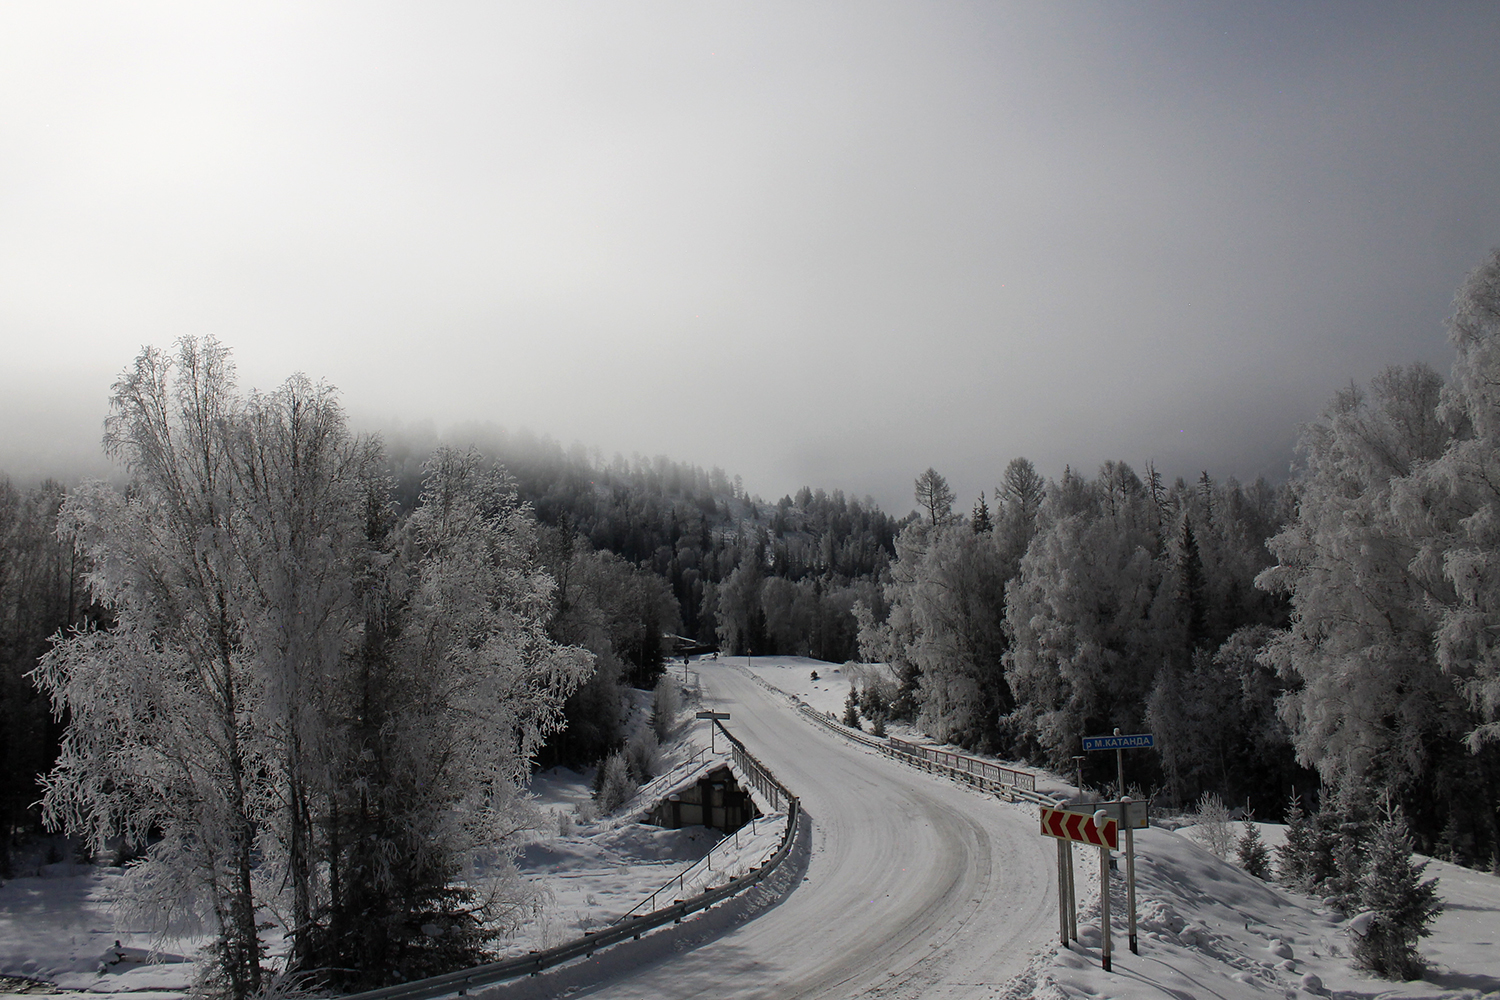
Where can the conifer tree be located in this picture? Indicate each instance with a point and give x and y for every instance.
(1292, 855)
(1252, 853)
(981, 522)
(1398, 907)
(851, 710)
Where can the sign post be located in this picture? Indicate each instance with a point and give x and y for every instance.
(1127, 812)
(1104, 904)
(712, 717)
(1099, 829)
(1072, 894)
(1062, 894)
(1129, 869)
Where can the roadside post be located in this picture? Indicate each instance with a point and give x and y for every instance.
(1103, 896)
(1072, 894)
(712, 717)
(1062, 894)
(1129, 814)
(1129, 867)
(1097, 829)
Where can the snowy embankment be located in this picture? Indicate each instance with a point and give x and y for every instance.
(57, 927)
(1207, 929)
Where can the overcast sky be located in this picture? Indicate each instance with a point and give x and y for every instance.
(813, 243)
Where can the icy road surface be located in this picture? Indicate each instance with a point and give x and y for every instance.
(915, 887)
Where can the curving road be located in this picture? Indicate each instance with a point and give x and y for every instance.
(914, 887)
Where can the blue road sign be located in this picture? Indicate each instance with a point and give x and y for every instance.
(1118, 742)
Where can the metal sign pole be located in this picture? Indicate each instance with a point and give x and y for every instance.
(1072, 895)
(1120, 768)
(1130, 870)
(713, 718)
(1062, 895)
(1104, 903)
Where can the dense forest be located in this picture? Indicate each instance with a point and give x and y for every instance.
(1333, 636)
(367, 632)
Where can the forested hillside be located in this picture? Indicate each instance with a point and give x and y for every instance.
(772, 578)
(1335, 635)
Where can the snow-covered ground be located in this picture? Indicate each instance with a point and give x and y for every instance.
(1207, 929)
(57, 927)
(794, 675)
(914, 887)
(598, 870)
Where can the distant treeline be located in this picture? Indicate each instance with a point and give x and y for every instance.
(768, 578)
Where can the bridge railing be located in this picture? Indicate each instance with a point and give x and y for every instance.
(1010, 782)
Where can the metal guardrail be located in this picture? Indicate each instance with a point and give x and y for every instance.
(463, 980)
(1010, 782)
(973, 769)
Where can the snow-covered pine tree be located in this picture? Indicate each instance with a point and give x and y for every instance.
(980, 521)
(851, 709)
(1397, 907)
(1292, 856)
(1252, 853)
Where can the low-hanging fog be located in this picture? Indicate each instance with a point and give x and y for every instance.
(831, 244)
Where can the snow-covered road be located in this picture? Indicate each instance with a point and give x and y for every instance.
(915, 887)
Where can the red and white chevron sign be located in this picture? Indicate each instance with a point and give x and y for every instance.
(1065, 825)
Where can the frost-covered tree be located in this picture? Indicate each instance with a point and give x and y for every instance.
(303, 707)
(1293, 856)
(980, 520)
(1084, 651)
(458, 685)
(162, 740)
(1371, 708)
(947, 597)
(1252, 853)
(1452, 506)
(935, 497)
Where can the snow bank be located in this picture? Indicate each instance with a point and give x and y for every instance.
(1206, 929)
(59, 929)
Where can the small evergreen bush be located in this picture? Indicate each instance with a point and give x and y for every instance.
(851, 710)
(614, 786)
(1252, 853)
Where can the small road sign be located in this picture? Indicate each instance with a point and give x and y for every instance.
(1140, 816)
(1079, 827)
(1118, 742)
(713, 715)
